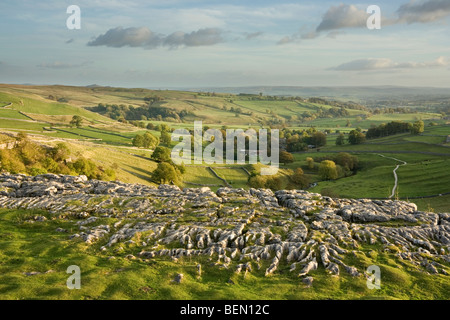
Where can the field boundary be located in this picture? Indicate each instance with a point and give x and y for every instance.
(377, 152)
(219, 177)
(76, 134)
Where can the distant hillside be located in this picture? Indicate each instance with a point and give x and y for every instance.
(358, 93)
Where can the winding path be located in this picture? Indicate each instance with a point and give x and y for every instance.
(395, 173)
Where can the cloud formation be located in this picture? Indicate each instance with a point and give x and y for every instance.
(387, 64)
(336, 18)
(424, 11)
(202, 37)
(343, 16)
(145, 38)
(250, 36)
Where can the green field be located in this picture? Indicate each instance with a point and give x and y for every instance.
(21, 125)
(105, 136)
(30, 105)
(374, 179)
(13, 114)
(201, 176)
(237, 178)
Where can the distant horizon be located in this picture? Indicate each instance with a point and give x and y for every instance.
(226, 87)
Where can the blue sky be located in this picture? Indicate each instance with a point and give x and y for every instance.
(170, 43)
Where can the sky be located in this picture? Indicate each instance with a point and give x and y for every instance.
(209, 43)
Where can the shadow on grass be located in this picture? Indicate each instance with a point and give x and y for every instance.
(141, 173)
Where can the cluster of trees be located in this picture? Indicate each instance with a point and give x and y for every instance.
(146, 140)
(334, 167)
(389, 110)
(338, 104)
(33, 159)
(356, 137)
(266, 182)
(322, 112)
(388, 129)
(149, 141)
(295, 180)
(298, 140)
(151, 110)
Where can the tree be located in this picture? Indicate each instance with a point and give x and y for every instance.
(340, 140)
(347, 161)
(150, 141)
(161, 154)
(310, 162)
(286, 157)
(166, 173)
(76, 121)
(319, 139)
(165, 138)
(328, 170)
(356, 137)
(138, 141)
(417, 127)
(165, 127)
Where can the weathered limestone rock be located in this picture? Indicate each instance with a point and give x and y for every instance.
(234, 227)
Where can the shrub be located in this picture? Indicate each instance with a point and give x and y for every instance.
(286, 157)
(60, 152)
(266, 182)
(299, 179)
(36, 171)
(328, 170)
(328, 192)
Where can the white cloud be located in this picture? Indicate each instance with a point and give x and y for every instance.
(388, 64)
(145, 38)
(132, 37)
(343, 16)
(424, 11)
